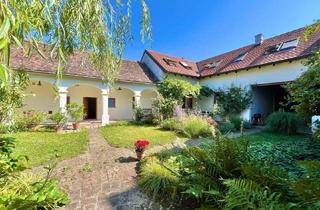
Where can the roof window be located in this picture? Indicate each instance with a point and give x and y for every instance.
(289, 44)
(170, 62)
(240, 57)
(212, 64)
(185, 65)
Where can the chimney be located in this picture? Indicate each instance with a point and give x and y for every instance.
(258, 39)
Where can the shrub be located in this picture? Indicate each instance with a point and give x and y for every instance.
(138, 114)
(20, 190)
(283, 122)
(195, 127)
(236, 121)
(169, 124)
(59, 118)
(226, 127)
(30, 120)
(234, 100)
(75, 111)
(157, 179)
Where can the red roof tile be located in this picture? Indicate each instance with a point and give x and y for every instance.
(159, 58)
(80, 66)
(255, 56)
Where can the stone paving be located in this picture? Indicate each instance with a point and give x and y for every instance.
(102, 178)
(105, 177)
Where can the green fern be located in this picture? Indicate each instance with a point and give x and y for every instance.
(247, 194)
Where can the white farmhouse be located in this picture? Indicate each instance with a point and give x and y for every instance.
(263, 66)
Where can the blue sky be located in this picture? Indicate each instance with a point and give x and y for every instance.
(199, 29)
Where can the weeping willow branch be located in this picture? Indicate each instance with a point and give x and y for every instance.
(99, 27)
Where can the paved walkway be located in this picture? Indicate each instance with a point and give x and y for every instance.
(102, 178)
(105, 177)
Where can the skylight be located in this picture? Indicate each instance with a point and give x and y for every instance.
(240, 57)
(170, 62)
(289, 44)
(213, 64)
(185, 65)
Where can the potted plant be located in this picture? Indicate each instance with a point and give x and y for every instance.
(60, 119)
(141, 145)
(76, 113)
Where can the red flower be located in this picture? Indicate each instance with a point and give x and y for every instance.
(141, 145)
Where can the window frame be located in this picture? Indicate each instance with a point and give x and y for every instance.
(114, 102)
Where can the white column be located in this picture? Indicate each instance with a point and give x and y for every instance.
(137, 98)
(105, 107)
(63, 91)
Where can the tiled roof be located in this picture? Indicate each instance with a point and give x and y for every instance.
(178, 68)
(256, 56)
(80, 66)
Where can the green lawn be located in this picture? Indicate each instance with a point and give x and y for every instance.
(124, 134)
(41, 146)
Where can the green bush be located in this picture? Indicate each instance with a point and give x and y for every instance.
(169, 124)
(30, 120)
(195, 127)
(138, 114)
(284, 122)
(156, 178)
(26, 190)
(226, 127)
(236, 121)
(75, 111)
(59, 118)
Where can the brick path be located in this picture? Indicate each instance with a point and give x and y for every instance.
(102, 178)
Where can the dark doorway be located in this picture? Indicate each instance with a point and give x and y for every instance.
(90, 108)
(270, 98)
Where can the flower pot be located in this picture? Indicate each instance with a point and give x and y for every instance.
(139, 155)
(76, 126)
(59, 128)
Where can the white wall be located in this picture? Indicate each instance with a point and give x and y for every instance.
(147, 97)
(279, 73)
(156, 70)
(40, 98)
(123, 109)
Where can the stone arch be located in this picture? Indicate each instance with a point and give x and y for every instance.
(122, 98)
(41, 96)
(147, 98)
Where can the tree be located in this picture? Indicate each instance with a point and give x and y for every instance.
(177, 89)
(234, 100)
(100, 27)
(11, 95)
(304, 92)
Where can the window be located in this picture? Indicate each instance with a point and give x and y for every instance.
(289, 44)
(170, 62)
(240, 57)
(213, 64)
(68, 99)
(185, 65)
(187, 103)
(112, 103)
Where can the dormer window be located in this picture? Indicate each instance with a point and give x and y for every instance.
(282, 46)
(240, 57)
(212, 64)
(170, 62)
(289, 44)
(185, 65)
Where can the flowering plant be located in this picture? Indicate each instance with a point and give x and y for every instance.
(141, 145)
